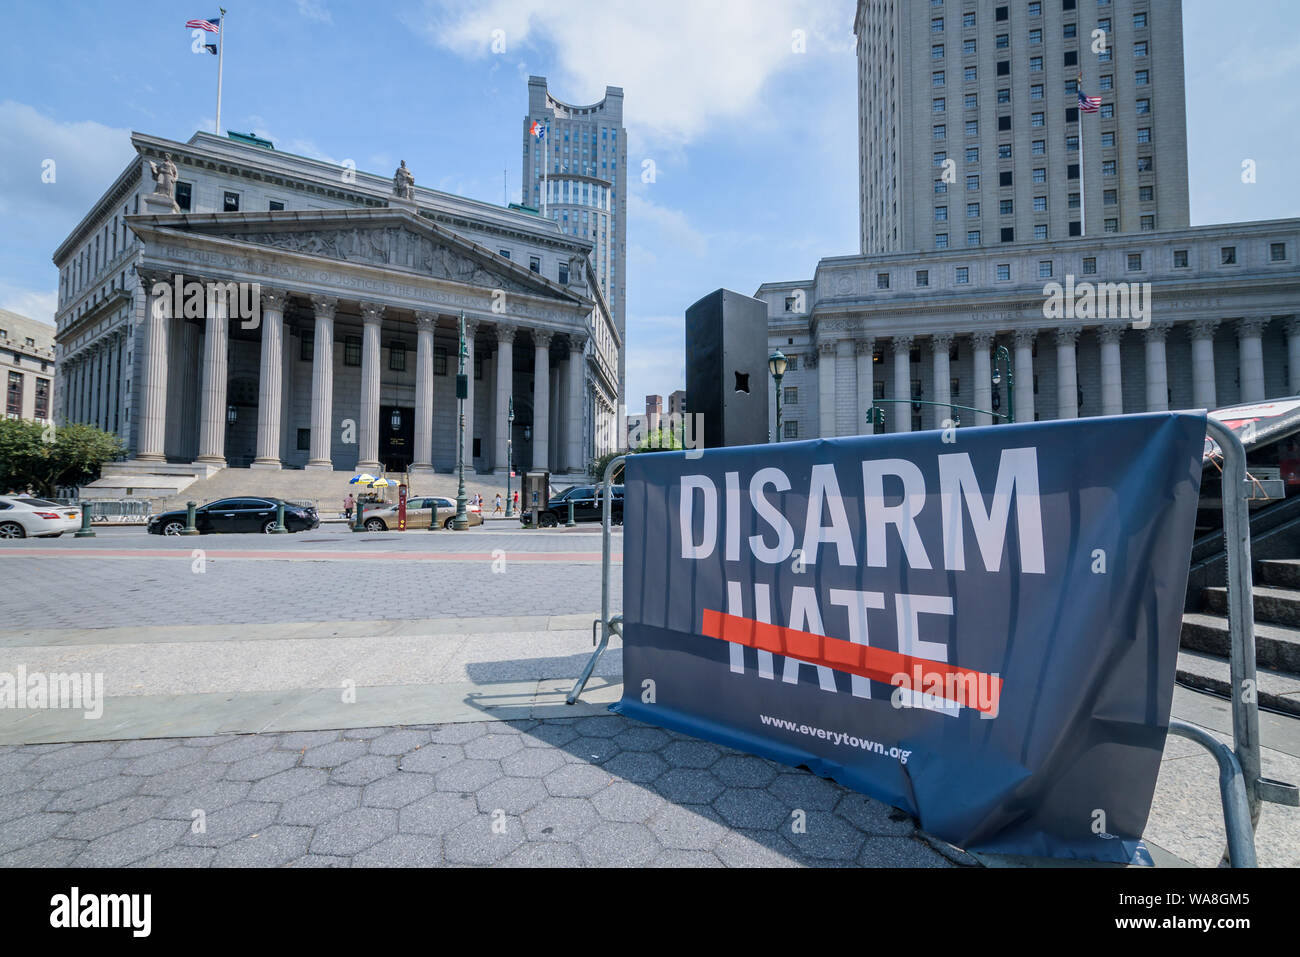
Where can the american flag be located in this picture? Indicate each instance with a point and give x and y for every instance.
(1089, 104)
(538, 130)
(212, 26)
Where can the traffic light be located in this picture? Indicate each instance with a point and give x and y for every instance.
(876, 416)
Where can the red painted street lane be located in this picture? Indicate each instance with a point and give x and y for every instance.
(309, 556)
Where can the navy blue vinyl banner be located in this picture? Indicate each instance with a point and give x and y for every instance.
(979, 625)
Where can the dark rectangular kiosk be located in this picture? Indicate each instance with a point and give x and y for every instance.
(726, 369)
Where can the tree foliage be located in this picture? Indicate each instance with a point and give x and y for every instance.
(45, 457)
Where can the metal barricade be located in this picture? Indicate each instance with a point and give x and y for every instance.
(117, 511)
(1242, 789)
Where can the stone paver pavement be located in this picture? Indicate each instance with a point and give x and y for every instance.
(590, 791)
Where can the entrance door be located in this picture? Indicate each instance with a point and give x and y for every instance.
(396, 437)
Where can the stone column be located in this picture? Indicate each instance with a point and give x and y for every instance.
(577, 394)
(982, 389)
(1157, 373)
(93, 378)
(1067, 372)
(505, 333)
(865, 350)
(826, 388)
(471, 328)
(1024, 387)
(271, 383)
(322, 384)
(372, 317)
(902, 411)
(152, 391)
(541, 397)
(212, 425)
(940, 345)
(1250, 341)
(105, 372)
(1203, 386)
(1112, 383)
(424, 325)
(1293, 354)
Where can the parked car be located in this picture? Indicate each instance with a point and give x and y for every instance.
(236, 515)
(588, 504)
(419, 512)
(21, 516)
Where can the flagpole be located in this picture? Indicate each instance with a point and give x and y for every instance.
(546, 165)
(221, 60)
(1083, 181)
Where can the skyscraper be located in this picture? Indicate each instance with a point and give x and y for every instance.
(969, 129)
(585, 182)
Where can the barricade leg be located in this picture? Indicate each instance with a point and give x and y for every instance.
(608, 624)
(1232, 789)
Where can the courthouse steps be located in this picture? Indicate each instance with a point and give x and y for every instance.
(1203, 662)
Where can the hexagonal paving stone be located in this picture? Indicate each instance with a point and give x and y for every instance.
(88, 825)
(560, 819)
(543, 855)
(16, 781)
(687, 828)
(321, 860)
(319, 806)
(242, 747)
(161, 761)
(873, 817)
(79, 774)
(690, 754)
(209, 798)
(456, 733)
(438, 813)
(231, 823)
(591, 750)
(514, 796)
(618, 845)
(676, 858)
(467, 775)
(744, 771)
(80, 798)
(493, 746)
(577, 780)
(641, 738)
(688, 786)
(138, 749)
(288, 784)
(478, 842)
(29, 829)
(900, 852)
(183, 780)
(29, 802)
(750, 808)
(306, 740)
(640, 767)
(432, 758)
(354, 831)
(334, 754)
(273, 847)
(48, 853)
(397, 790)
(551, 734)
(531, 763)
(402, 850)
(364, 770)
(806, 791)
(179, 857)
(626, 802)
(826, 836)
(263, 765)
(132, 844)
(72, 755)
(754, 849)
(366, 733)
(11, 761)
(399, 742)
(601, 726)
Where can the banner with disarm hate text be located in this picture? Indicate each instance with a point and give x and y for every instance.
(978, 626)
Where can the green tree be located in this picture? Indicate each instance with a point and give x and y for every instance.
(46, 457)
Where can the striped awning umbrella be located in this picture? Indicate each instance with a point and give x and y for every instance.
(381, 483)
(365, 478)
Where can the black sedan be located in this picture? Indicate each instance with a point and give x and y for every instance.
(588, 506)
(236, 515)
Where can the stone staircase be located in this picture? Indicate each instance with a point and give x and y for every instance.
(1203, 661)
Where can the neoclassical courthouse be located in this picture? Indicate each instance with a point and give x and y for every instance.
(351, 361)
(982, 195)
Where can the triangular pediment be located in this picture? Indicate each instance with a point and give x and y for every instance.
(385, 238)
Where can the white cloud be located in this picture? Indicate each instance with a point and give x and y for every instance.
(684, 64)
(671, 225)
(30, 303)
(314, 10)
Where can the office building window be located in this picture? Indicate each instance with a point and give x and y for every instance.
(1006, 207)
(184, 196)
(972, 210)
(1090, 265)
(1004, 178)
(963, 275)
(1004, 151)
(1139, 20)
(936, 25)
(973, 237)
(1144, 134)
(1228, 255)
(941, 241)
(1107, 111)
(1070, 31)
(1040, 231)
(1108, 139)
(1036, 9)
(1142, 77)
(939, 157)
(940, 131)
(305, 346)
(275, 206)
(1112, 226)
(1147, 223)
(972, 128)
(936, 52)
(939, 104)
(230, 203)
(791, 395)
(1004, 272)
(969, 75)
(1040, 204)
(1146, 194)
(1045, 269)
(972, 101)
(1040, 175)
(791, 427)
(882, 280)
(535, 264)
(1143, 107)
(1145, 164)
(968, 18)
(1109, 197)
(1003, 41)
(973, 183)
(941, 214)
(968, 47)
(439, 360)
(397, 357)
(922, 278)
(1180, 258)
(1038, 147)
(972, 155)
(937, 78)
(1037, 119)
(1134, 262)
(1107, 82)
(304, 440)
(1107, 167)
(1036, 91)
(1277, 252)
(1035, 37)
(1008, 234)
(940, 186)
(1004, 96)
(352, 350)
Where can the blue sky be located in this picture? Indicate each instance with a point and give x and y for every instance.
(753, 141)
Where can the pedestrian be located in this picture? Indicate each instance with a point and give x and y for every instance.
(497, 510)
(516, 502)
(348, 504)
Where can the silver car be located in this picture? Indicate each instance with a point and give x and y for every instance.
(419, 512)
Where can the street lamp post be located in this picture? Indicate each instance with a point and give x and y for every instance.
(510, 456)
(776, 364)
(1001, 367)
(461, 521)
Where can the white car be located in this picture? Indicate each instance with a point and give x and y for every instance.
(21, 516)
